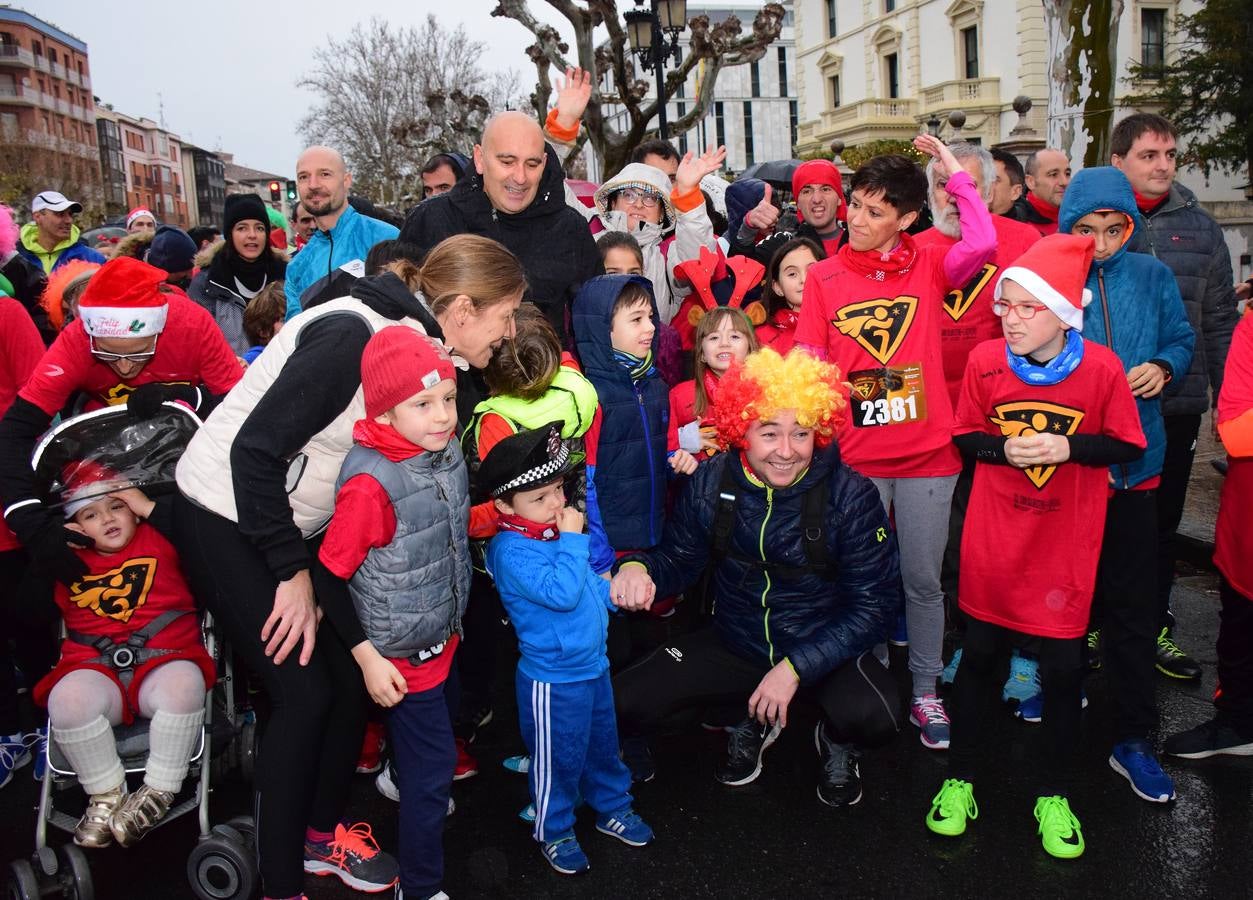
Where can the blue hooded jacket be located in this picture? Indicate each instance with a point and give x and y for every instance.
(629, 477)
(351, 238)
(1136, 310)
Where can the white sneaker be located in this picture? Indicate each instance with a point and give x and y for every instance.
(385, 782)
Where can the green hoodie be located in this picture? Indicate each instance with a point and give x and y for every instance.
(47, 258)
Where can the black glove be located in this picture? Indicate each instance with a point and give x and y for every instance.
(145, 401)
(47, 540)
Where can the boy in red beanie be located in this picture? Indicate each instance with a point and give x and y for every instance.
(400, 535)
(1042, 413)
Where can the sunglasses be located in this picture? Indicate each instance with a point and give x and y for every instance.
(106, 357)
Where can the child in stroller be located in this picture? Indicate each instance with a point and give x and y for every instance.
(132, 648)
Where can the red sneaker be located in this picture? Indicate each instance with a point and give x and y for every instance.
(371, 758)
(467, 765)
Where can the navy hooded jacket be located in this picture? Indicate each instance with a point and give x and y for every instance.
(629, 477)
(1136, 310)
(761, 615)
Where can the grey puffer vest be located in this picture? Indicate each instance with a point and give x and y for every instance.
(411, 594)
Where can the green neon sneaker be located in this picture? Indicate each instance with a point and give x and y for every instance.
(951, 807)
(1059, 829)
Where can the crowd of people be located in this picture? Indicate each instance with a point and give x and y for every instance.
(782, 436)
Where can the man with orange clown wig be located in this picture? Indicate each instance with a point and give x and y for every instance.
(804, 582)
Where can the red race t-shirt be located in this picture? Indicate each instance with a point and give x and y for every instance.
(883, 333)
(968, 319)
(1032, 537)
(191, 350)
(20, 350)
(1233, 538)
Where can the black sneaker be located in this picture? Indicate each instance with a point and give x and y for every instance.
(1173, 662)
(1093, 654)
(472, 716)
(639, 759)
(839, 778)
(746, 744)
(1212, 738)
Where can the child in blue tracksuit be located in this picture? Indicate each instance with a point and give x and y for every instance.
(1136, 311)
(560, 610)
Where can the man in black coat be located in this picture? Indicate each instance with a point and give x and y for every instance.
(1188, 240)
(516, 195)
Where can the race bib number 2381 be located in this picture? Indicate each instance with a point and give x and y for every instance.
(892, 395)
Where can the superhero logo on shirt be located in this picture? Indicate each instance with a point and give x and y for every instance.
(1030, 418)
(958, 302)
(878, 326)
(116, 594)
(120, 392)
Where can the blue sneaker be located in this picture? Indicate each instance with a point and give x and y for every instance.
(627, 827)
(1032, 709)
(38, 742)
(1134, 760)
(527, 814)
(519, 765)
(950, 671)
(14, 753)
(1024, 679)
(566, 856)
(900, 634)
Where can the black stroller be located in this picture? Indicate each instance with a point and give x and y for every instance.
(222, 865)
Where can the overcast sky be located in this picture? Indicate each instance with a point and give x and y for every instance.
(227, 72)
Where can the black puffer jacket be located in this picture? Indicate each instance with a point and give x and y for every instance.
(1188, 240)
(765, 616)
(551, 239)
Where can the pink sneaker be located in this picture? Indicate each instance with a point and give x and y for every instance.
(927, 712)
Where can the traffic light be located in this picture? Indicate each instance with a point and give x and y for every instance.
(276, 191)
(291, 191)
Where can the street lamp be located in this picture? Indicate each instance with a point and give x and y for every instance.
(654, 36)
(933, 125)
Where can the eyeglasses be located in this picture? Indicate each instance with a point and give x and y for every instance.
(106, 357)
(1024, 311)
(634, 197)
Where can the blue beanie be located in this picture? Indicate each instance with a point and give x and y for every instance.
(172, 249)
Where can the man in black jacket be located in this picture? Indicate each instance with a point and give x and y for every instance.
(1188, 240)
(804, 575)
(516, 195)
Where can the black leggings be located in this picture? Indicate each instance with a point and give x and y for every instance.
(317, 717)
(859, 699)
(28, 620)
(976, 694)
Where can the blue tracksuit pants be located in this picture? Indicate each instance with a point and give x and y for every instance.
(572, 734)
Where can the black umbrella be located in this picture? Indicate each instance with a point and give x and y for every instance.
(777, 171)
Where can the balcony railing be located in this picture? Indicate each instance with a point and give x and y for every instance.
(870, 112)
(965, 92)
(12, 53)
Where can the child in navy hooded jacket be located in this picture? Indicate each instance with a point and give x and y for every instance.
(1136, 311)
(559, 608)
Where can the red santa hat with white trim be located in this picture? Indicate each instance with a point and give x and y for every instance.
(1053, 270)
(123, 300)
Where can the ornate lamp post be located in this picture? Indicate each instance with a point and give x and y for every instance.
(654, 37)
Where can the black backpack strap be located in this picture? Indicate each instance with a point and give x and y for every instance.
(724, 514)
(813, 525)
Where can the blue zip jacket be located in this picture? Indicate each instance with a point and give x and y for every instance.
(761, 614)
(1136, 310)
(629, 478)
(558, 606)
(351, 238)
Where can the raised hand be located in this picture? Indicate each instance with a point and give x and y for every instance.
(693, 168)
(934, 147)
(573, 93)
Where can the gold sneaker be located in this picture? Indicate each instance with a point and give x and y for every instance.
(92, 829)
(138, 813)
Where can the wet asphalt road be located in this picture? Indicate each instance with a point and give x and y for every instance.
(774, 839)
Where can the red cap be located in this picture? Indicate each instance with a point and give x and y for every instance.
(123, 300)
(399, 362)
(820, 171)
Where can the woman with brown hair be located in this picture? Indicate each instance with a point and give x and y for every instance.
(257, 488)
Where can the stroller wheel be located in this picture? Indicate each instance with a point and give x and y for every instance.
(246, 827)
(221, 868)
(248, 750)
(23, 882)
(76, 883)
